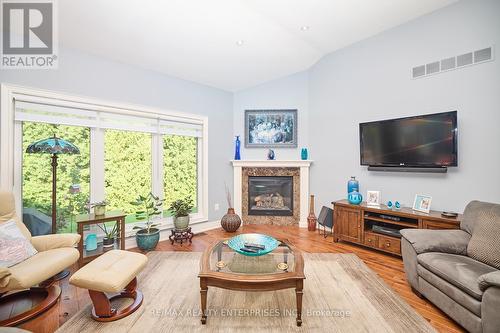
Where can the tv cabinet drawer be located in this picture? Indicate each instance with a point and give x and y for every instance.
(389, 244)
(371, 240)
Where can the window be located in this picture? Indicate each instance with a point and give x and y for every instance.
(125, 151)
(127, 169)
(73, 179)
(180, 169)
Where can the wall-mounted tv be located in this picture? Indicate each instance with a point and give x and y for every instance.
(421, 141)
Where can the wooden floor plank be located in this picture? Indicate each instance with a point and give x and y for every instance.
(389, 268)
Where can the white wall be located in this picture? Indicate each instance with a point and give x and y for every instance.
(83, 74)
(286, 93)
(371, 80)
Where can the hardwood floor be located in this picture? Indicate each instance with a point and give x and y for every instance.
(388, 267)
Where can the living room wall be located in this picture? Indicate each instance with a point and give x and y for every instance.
(92, 76)
(371, 80)
(289, 92)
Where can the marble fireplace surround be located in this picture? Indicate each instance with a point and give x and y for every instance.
(300, 172)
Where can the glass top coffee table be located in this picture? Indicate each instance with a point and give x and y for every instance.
(222, 267)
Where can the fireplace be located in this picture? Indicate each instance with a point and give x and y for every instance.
(270, 195)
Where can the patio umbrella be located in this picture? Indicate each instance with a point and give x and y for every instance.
(54, 146)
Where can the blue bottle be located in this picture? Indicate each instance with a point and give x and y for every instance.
(304, 154)
(237, 144)
(352, 185)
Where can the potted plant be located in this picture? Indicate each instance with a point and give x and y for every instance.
(99, 207)
(147, 236)
(109, 234)
(181, 209)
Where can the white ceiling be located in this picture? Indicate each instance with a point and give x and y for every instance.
(197, 39)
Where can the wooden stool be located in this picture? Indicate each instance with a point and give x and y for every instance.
(114, 271)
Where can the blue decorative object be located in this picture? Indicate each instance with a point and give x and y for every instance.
(389, 204)
(270, 155)
(237, 144)
(304, 154)
(352, 185)
(397, 205)
(355, 198)
(91, 242)
(237, 242)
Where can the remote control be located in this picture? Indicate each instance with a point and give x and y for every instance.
(250, 250)
(257, 246)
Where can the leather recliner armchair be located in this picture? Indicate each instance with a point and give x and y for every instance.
(55, 253)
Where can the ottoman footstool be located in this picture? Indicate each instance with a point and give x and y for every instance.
(113, 272)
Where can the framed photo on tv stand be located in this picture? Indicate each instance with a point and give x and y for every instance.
(422, 203)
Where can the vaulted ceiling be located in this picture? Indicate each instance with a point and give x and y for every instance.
(228, 44)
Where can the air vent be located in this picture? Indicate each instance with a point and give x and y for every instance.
(464, 59)
(447, 64)
(432, 68)
(459, 61)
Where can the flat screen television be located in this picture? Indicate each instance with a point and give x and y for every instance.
(421, 141)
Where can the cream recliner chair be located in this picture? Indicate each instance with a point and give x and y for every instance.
(55, 253)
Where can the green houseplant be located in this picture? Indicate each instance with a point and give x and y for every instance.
(147, 236)
(181, 209)
(99, 207)
(109, 234)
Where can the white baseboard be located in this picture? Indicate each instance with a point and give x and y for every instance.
(164, 233)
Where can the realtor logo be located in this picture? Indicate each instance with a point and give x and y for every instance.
(29, 36)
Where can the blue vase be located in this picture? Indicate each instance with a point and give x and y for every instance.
(352, 185)
(389, 204)
(237, 144)
(91, 242)
(355, 198)
(304, 154)
(397, 205)
(270, 155)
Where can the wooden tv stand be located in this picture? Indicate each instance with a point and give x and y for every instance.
(353, 223)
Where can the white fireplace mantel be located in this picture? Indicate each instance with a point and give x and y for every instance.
(304, 181)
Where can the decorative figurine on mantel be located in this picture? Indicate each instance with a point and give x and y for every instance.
(270, 155)
(311, 219)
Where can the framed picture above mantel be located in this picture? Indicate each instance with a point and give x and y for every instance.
(271, 128)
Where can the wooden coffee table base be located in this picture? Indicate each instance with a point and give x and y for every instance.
(240, 286)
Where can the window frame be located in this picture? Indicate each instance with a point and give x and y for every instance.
(11, 146)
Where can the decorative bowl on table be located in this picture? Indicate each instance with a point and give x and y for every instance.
(238, 242)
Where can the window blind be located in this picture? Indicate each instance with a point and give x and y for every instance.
(87, 115)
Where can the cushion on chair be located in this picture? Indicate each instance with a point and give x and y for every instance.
(484, 244)
(40, 267)
(461, 271)
(14, 247)
(111, 272)
(456, 294)
(8, 212)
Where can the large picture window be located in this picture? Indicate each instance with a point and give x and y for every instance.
(124, 152)
(180, 168)
(127, 169)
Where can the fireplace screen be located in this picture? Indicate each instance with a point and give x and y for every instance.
(271, 196)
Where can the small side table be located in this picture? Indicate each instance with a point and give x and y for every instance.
(181, 235)
(88, 219)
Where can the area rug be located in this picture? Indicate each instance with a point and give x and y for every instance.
(341, 294)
